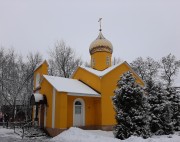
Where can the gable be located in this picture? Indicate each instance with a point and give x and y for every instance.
(43, 63)
(120, 69)
(108, 86)
(121, 66)
(100, 73)
(38, 72)
(88, 78)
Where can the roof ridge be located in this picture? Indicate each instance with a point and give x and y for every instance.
(40, 64)
(101, 73)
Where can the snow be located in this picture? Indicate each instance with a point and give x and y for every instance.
(177, 81)
(72, 86)
(38, 97)
(8, 133)
(78, 135)
(101, 73)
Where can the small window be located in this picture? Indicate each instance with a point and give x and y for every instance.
(93, 62)
(78, 107)
(108, 60)
(37, 80)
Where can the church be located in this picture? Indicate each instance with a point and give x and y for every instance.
(85, 99)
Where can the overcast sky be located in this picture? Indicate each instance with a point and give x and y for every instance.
(134, 27)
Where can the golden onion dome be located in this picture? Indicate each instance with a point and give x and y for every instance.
(100, 44)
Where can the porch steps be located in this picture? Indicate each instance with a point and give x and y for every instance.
(34, 132)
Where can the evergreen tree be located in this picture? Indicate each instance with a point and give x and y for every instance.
(174, 99)
(160, 111)
(131, 108)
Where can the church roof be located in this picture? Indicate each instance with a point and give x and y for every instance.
(101, 73)
(71, 86)
(109, 69)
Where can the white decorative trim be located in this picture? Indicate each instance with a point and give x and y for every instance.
(45, 116)
(83, 110)
(88, 95)
(108, 61)
(38, 77)
(53, 107)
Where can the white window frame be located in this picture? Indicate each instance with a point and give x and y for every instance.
(93, 62)
(37, 80)
(107, 60)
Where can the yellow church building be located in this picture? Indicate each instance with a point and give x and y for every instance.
(85, 99)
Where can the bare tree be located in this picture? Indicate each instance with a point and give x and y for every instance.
(147, 69)
(139, 67)
(116, 60)
(170, 67)
(15, 75)
(87, 64)
(3, 64)
(63, 60)
(152, 68)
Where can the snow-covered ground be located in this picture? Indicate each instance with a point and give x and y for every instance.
(79, 135)
(8, 135)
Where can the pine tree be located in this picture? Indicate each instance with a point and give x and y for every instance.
(174, 99)
(160, 111)
(131, 108)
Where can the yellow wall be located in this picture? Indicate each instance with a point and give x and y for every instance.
(47, 89)
(105, 86)
(42, 70)
(100, 60)
(88, 78)
(92, 110)
(109, 82)
(98, 111)
(61, 110)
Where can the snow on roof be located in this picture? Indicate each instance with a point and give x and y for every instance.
(101, 73)
(40, 64)
(38, 97)
(72, 86)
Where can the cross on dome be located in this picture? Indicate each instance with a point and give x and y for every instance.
(100, 44)
(100, 23)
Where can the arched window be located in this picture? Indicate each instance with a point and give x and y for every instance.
(93, 62)
(37, 80)
(79, 112)
(107, 60)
